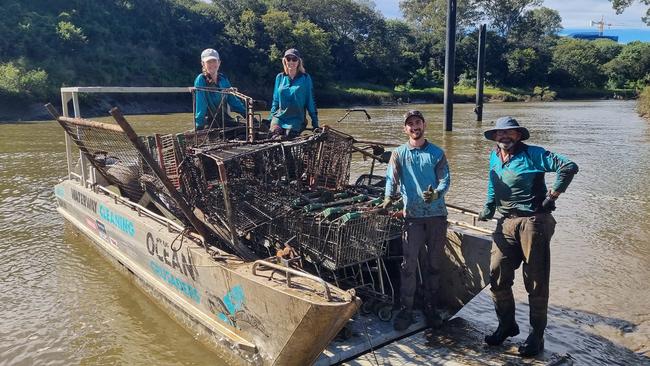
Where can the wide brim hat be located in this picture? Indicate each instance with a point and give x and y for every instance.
(506, 123)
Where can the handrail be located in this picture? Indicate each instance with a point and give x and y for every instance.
(290, 271)
(93, 124)
(125, 89)
(467, 212)
(470, 226)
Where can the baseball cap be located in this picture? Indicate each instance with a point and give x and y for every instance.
(292, 52)
(209, 54)
(413, 113)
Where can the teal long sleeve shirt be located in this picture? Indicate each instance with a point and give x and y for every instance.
(212, 100)
(291, 98)
(517, 186)
(414, 169)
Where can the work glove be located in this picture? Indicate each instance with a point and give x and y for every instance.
(386, 204)
(430, 194)
(276, 132)
(549, 203)
(486, 214)
(385, 157)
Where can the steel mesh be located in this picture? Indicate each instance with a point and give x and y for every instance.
(346, 240)
(112, 154)
(328, 164)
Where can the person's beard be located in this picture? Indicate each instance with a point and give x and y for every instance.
(506, 144)
(417, 134)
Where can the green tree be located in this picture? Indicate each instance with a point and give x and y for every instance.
(315, 48)
(525, 67)
(537, 28)
(631, 66)
(575, 63)
(505, 14)
(607, 49)
(15, 80)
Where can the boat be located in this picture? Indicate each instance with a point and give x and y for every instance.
(262, 249)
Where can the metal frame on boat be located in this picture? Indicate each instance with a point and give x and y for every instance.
(200, 264)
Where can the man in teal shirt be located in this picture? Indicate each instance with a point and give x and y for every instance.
(417, 167)
(517, 189)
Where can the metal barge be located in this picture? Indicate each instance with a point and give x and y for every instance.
(265, 262)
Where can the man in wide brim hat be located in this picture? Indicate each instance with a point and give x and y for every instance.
(516, 188)
(506, 123)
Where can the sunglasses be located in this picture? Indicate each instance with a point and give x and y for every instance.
(292, 59)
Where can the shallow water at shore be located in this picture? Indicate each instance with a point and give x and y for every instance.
(61, 303)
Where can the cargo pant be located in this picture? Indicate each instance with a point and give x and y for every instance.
(424, 239)
(518, 239)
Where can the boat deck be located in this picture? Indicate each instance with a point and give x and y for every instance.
(459, 342)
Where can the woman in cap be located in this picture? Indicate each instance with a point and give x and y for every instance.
(292, 95)
(210, 104)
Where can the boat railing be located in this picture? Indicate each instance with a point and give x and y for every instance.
(87, 175)
(473, 214)
(289, 272)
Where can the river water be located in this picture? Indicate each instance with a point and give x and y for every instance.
(61, 303)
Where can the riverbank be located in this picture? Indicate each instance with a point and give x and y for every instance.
(378, 95)
(14, 109)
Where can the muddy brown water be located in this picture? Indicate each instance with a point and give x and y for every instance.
(61, 303)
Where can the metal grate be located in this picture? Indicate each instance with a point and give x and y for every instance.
(109, 150)
(328, 164)
(350, 239)
(168, 157)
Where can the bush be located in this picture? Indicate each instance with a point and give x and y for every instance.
(544, 93)
(16, 81)
(643, 106)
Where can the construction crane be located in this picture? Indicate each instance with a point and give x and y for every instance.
(590, 36)
(601, 25)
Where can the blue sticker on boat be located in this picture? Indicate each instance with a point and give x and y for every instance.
(59, 192)
(233, 301)
(120, 222)
(182, 286)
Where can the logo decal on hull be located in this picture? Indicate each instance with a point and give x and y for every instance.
(118, 221)
(82, 199)
(180, 285)
(233, 310)
(59, 192)
(172, 258)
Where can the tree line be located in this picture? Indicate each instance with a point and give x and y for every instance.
(47, 44)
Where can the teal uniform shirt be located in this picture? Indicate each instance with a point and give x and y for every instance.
(290, 100)
(211, 100)
(414, 169)
(517, 186)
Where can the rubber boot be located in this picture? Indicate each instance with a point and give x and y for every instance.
(504, 304)
(432, 316)
(403, 319)
(534, 344)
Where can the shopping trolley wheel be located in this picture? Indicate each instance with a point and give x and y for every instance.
(385, 312)
(367, 307)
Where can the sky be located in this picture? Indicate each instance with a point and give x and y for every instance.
(576, 15)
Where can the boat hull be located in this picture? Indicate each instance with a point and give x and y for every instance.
(248, 316)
